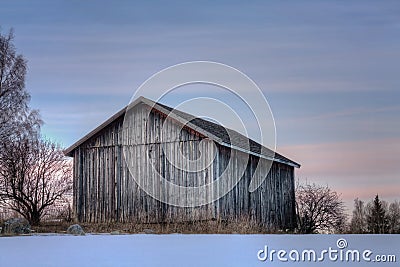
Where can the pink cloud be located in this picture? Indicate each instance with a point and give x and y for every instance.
(354, 169)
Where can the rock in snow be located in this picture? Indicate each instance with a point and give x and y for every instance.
(148, 231)
(75, 229)
(16, 226)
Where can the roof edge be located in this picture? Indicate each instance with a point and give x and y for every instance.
(68, 151)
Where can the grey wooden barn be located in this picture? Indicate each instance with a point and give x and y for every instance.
(104, 191)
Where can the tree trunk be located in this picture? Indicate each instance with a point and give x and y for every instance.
(35, 218)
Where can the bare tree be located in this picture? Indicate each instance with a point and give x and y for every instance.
(33, 175)
(394, 217)
(14, 112)
(33, 172)
(319, 209)
(358, 224)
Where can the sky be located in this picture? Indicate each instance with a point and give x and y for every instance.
(329, 70)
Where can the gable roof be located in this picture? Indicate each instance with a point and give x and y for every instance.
(222, 135)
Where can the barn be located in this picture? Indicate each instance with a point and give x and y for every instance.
(106, 191)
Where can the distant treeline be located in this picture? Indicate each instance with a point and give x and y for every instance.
(319, 209)
(375, 217)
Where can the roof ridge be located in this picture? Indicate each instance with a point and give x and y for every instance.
(222, 135)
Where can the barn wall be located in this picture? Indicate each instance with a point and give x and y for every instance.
(272, 204)
(104, 190)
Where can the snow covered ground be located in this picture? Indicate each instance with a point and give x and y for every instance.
(193, 250)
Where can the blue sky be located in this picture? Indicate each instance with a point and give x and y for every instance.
(329, 69)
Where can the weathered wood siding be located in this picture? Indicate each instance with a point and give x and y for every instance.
(104, 190)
